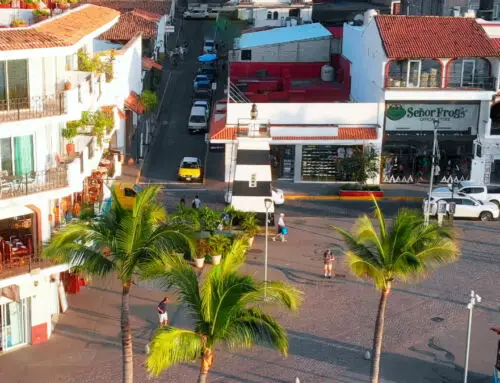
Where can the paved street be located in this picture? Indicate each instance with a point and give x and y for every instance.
(425, 325)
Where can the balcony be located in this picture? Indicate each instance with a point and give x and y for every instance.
(27, 108)
(34, 182)
(475, 82)
(11, 266)
(433, 81)
(253, 128)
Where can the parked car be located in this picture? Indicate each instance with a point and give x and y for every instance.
(465, 207)
(126, 193)
(195, 13)
(489, 193)
(201, 78)
(212, 13)
(209, 46)
(190, 170)
(198, 119)
(203, 87)
(278, 196)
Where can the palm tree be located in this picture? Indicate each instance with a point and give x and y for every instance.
(226, 309)
(405, 250)
(122, 242)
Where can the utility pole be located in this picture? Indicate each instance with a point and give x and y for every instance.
(473, 299)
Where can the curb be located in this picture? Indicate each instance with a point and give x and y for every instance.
(305, 197)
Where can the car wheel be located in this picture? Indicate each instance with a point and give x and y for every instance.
(486, 216)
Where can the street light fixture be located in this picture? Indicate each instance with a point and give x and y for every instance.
(268, 203)
(431, 183)
(253, 112)
(473, 299)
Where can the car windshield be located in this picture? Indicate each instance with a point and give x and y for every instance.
(197, 119)
(209, 44)
(189, 165)
(137, 188)
(476, 201)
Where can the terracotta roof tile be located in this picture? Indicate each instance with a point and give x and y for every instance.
(407, 37)
(161, 7)
(127, 27)
(64, 30)
(148, 63)
(147, 15)
(496, 44)
(134, 103)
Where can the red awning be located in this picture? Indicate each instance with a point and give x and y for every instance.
(134, 103)
(148, 63)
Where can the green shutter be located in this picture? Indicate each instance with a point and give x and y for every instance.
(23, 152)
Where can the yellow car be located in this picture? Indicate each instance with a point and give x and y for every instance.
(126, 194)
(190, 170)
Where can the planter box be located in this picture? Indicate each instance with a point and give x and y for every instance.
(361, 193)
(5, 5)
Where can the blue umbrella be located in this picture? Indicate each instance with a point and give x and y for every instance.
(206, 58)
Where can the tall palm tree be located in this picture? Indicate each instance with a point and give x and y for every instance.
(226, 309)
(406, 249)
(121, 241)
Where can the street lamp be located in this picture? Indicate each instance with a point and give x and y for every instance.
(253, 112)
(473, 299)
(268, 202)
(434, 145)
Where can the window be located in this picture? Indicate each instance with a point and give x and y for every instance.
(470, 73)
(269, 15)
(275, 15)
(413, 74)
(477, 190)
(129, 192)
(425, 73)
(253, 181)
(468, 202)
(69, 62)
(246, 55)
(13, 84)
(496, 12)
(16, 155)
(466, 190)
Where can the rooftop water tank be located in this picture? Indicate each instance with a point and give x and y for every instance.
(327, 73)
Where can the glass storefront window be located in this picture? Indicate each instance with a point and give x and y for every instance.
(13, 322)
(282, 161)
(327, 162)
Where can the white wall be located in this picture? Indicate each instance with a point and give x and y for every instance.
(9, 14)
(307, 113)
(261, 20)
(363, 48)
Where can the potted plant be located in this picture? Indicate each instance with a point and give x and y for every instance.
(149, 100)
(67, 85)
(218, 245)
(31, 4)
(62, 4)
(18, 23)
(69, 133)
(201, 252)
(40, 15)
(5, 3)
(250, 226)
(209, 219)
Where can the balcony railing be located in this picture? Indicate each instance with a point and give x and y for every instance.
(27, 108)
(250, 128)
(12, 264)
(478, 82)
(34, 182)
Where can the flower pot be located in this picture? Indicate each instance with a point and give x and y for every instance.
(63, 6)
(199, 262)
(216, 259)
(130, 162)
(5, 5)
(22, 5)
(42, 18)
(67, 85)
(70, 149)
(31, 6)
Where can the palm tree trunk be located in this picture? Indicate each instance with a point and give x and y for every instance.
(127, 354)
(206, 363)
(379, 333)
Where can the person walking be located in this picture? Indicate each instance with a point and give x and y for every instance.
(282, 229)
(162, 312)
(196, 202)
(328, 260)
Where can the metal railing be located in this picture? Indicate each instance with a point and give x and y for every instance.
(425, 80)
(236, 95)
(478, 82)
(23, 262)
(26, 108)
(250, 128)
(33, 182)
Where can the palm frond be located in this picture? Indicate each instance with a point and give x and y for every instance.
(235, 256)
(363, 268)
(380, 219)
(171, 346)
(254, 327)
(278, 293)
(359, 249)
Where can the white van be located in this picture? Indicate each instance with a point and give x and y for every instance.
(198, 118)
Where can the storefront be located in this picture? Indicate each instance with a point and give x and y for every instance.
(282, 161)
(14, 323)
(409, 135)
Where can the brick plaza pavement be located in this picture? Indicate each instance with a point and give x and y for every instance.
(424, 338)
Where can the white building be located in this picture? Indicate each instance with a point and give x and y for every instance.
(426, 72)
(274, 13)
(41, 89)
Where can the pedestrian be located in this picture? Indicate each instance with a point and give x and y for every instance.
(282, 229)
(437, 172)
(328, 260)
(196, 202)
(183, 202)
(162, 312)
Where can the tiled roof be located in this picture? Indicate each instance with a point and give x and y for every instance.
(148, 63)
(134, 103)
(407, 37)
(127, 27)
(160, 7)
(147, 15)
(64, 30)
(496, 44)
(351, 133)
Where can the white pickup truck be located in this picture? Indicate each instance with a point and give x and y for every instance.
(483, 193)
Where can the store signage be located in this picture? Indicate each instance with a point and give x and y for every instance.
(418, 117)
(217, 147)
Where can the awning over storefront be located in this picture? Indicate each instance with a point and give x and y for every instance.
(14, 211)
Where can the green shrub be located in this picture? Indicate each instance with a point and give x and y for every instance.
(149, 99)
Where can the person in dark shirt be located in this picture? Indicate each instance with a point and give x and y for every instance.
(328, 260)
(162, 312)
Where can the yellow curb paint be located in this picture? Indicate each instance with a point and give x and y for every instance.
(304, 197)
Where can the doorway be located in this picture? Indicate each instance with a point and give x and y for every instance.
(282, 161)
(14, 320)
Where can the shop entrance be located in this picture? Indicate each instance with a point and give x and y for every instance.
(14, 323)
(282, 161)
(408, 159)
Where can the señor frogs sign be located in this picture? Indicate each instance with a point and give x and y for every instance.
(421, 116)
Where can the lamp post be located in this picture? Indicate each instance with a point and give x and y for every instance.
(473, 299)
(268, 202)
(431, 183)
